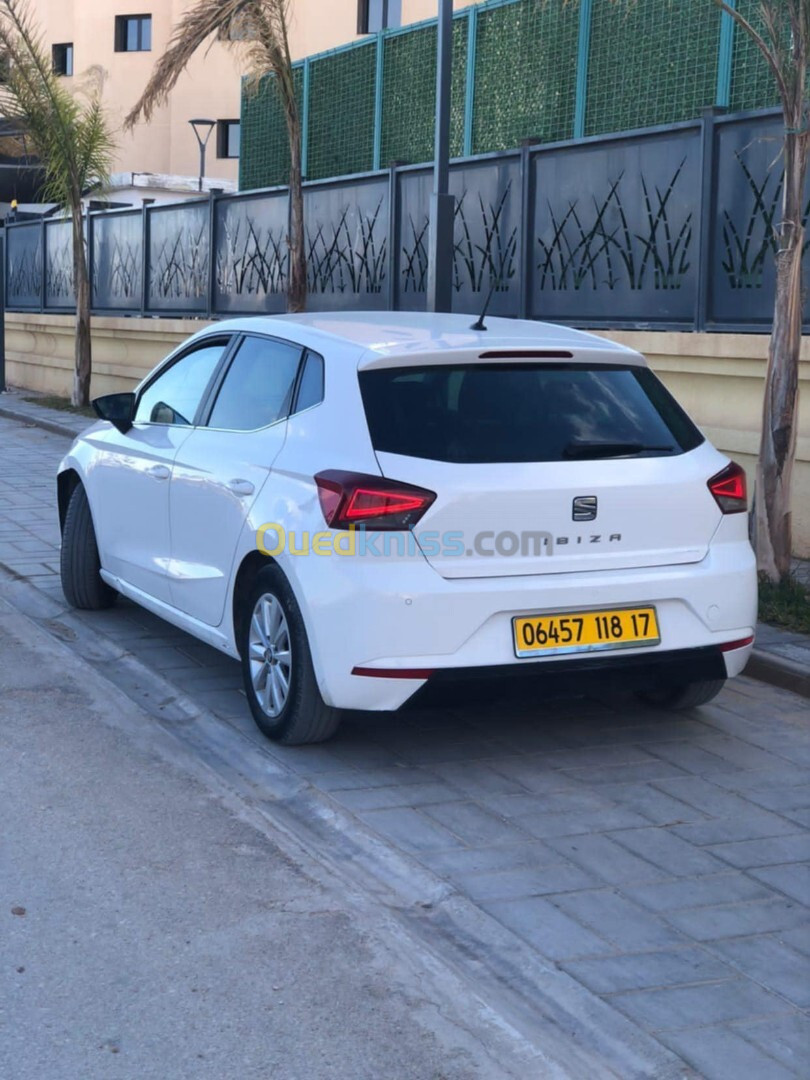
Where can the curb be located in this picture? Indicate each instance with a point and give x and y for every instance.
(37, 421)
(777, 671)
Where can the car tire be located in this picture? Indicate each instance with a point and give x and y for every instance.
(79, 563)
(686, 695)
(275, 651)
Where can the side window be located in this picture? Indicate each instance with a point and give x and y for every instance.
(310, 389)
(175, 395)
(257, 389)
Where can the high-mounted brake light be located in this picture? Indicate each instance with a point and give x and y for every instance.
(349, 498)
(729, 490)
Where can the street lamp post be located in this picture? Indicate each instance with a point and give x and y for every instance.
(202, 129)
(442, 204)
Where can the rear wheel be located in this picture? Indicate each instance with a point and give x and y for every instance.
(79, 563)
(686, 695)
(277, 666)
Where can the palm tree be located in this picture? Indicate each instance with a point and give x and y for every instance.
(70, 136)
(781, 31)
(259, 27)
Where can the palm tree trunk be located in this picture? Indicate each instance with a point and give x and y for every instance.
(778, 443)
(297, 283)
(83, 358)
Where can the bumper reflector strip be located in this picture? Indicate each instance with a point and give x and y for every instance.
(393, 673)
(729, 646)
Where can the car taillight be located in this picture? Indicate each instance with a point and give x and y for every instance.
(349, 498)
(729, 490)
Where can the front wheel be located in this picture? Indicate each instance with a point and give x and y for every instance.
(277, 666)
(79, 563)
(686, 695)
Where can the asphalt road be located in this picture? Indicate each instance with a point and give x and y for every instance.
(151, 929)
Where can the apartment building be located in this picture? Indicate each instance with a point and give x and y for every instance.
(126, 38)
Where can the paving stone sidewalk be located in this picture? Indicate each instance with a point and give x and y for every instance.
(660, 860)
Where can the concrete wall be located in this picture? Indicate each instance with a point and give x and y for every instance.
(718, 378)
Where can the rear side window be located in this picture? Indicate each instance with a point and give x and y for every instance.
(310, 389)
(487, 413)
(257, 389)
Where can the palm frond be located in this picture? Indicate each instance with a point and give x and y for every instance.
(263, 42)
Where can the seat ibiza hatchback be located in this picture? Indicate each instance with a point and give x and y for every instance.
(367, 509)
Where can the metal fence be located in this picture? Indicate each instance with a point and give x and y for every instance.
(540, 69)
(669, 228)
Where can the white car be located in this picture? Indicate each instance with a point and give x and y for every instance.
(368, 508)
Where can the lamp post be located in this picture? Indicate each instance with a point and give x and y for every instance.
(442, 204)
(202, 129)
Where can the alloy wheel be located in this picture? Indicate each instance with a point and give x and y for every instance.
(270, 655)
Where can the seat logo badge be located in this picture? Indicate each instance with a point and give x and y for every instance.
(584, 508)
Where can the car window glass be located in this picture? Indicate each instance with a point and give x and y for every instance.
(175, 395)
(487, 413)
(257, 389)
(310, 389)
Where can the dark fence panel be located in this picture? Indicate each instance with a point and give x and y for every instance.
(24, 267)
(615, 230)
(670, 228)
(251, 254)
(348, 246)
(59, 290)
(179, 248)
(116, 245)
(486, 237)
(747, 209)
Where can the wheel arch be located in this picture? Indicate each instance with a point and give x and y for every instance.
(66, 483)
(249, 567)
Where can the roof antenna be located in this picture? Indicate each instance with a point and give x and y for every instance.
(479, 323)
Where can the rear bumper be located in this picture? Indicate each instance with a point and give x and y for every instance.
(401, 616)
(575, 676)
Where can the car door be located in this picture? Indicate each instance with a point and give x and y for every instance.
(223, 465)
(128, 483)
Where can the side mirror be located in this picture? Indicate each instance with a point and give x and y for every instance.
(119, 409)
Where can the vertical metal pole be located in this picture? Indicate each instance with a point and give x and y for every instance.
(725, 56)
(393, 238)
(89, 229)
(202, 163)
(212, 252)
(526, 219)
(583, 53)
(145, 273)
(469, 89)
(43, 247)
(378, 102)
(442, 204)
(305, 95)
(708, 180)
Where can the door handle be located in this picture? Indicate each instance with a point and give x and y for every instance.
(159, 472)
(240, 487)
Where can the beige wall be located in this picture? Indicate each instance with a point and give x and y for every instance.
(718, 378)
(211, 86)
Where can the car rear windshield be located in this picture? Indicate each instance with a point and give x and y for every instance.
(513, 412)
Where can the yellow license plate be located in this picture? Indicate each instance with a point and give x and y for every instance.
(585, 631)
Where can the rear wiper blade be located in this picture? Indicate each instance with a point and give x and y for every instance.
(590, 450)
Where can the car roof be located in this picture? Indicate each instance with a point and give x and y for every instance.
(386, 334)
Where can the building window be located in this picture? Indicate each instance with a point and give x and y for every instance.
(62, 58)
(133, 33)
(374, 15)
(228, 138)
